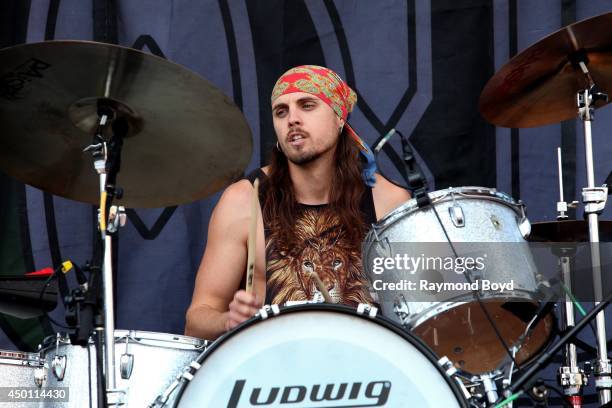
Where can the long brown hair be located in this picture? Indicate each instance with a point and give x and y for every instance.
(347, 187)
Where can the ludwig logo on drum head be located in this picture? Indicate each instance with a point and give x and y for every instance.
(372, 394)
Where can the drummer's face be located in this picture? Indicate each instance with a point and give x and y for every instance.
(306, 127)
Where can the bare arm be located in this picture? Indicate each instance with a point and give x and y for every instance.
(387, 196)
(217, 304)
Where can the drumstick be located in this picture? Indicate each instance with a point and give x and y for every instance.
(250, 270)
(321, 287)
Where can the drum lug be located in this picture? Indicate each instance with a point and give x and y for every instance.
(456, 212)
(457, 216)
(126, 362)
(264, 312)
(364, 308)
(59, 367)
(523, 223)
(401, 310)
(126, 365)
(40, 376)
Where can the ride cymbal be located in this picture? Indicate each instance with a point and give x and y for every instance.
(186, 139)
(538, 86)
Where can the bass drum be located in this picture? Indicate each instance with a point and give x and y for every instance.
(319, 355)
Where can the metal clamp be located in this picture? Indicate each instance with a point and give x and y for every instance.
(116, 217)
(364, 308)
(594, 199)
(602, 372)
(572, 379)
(264, 311)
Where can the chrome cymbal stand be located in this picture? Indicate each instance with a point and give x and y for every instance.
(570, 376)
(594, 199)
(106, 152)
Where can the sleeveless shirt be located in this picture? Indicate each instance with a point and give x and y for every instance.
(318, 244)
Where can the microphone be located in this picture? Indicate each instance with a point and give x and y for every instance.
(384, 140)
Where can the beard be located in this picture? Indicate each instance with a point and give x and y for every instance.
(303, 158)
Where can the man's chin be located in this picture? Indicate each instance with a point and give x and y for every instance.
(302, 159)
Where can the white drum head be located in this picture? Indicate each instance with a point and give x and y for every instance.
(315, 356)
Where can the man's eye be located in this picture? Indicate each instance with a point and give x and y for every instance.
(308, 105)
(280, 113)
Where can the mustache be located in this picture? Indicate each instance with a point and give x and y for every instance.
(295, 131)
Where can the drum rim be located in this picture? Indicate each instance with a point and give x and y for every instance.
(135, 336)
(379, 319)
(410, 206)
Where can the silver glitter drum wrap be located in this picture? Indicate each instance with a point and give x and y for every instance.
(157, 360)
(471, 216)
(19, 370)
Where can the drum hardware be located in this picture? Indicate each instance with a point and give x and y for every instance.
(525, 380)
(126, 362)
(570, 376)
(367, 310)
(181, 379)
(594, 199)
(456, 213)
(451, 371)
(58, 364)
(264, 312)
(490, 389)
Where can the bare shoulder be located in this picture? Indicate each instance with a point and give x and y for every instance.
(387, 196)
(235, 200)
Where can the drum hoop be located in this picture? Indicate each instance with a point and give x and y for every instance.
(139, 337)
(379, 319)
(20, 358)
(440, 196)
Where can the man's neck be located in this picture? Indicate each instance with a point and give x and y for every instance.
(312, 182)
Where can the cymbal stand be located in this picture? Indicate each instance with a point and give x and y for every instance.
(570, 376)
(594, 199)
(106, 152)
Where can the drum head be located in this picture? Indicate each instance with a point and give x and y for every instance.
(319, 356)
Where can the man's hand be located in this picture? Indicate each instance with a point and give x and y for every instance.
(242, 307)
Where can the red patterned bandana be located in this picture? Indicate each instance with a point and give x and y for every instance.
(326, 85)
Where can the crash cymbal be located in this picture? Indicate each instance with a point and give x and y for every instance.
(568, 231)
(186, 139)
(539, 85)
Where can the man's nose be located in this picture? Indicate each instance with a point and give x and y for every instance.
(294, 117)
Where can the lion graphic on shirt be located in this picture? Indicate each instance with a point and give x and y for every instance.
(318, 246)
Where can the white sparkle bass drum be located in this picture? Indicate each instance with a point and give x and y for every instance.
(318, 355)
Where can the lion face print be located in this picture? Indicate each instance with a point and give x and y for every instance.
(318, 245)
